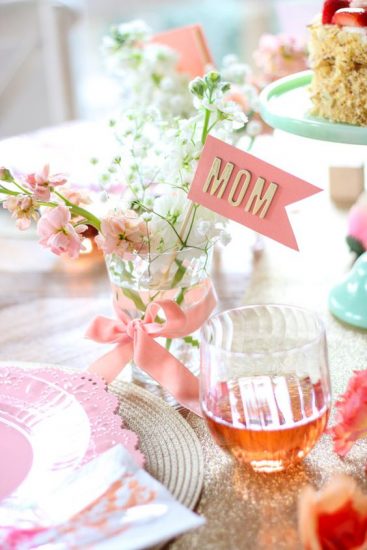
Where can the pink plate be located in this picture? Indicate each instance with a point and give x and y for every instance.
(51, 422)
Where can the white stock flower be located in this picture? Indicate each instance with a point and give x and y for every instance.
(234, 112)
(234, 71)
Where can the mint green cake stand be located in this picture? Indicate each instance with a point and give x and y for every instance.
(285, 105)
(348, 299)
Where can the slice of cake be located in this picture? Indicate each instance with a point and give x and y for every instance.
(338, 57)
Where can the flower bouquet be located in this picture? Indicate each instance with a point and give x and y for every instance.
(156, 242)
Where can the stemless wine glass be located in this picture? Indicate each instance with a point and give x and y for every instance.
(265, 386)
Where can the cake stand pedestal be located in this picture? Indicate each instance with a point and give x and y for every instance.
(285, 105)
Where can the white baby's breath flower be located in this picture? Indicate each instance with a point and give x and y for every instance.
(254, 128)
(136, 28)
(229, 60)
(225, 238)
(167, 84)
(203, 227)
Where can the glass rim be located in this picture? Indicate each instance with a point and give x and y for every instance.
(321, 334)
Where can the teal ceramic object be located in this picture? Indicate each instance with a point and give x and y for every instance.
(286, 104)
(348, 299)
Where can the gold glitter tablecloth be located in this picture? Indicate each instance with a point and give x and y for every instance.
(245, 510)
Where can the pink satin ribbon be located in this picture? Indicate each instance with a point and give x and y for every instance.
(135, 340)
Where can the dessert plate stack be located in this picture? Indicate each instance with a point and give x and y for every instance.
(51, 423)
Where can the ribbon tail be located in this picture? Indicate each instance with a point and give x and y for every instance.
(111, 363)
(168, 371)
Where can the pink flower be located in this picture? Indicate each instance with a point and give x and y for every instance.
(14, 538)
(58, 234)
(357, 221)
(22, 208)
(76, 197)
(334, 518)
(123, 234)
(351, 417)
(42, 183)
(278, 56)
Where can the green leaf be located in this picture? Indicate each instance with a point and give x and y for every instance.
(156, 79)
(123, 273)
(355, 245)
(134, 297)
(181, 296)
(179, 274)
(192, 341)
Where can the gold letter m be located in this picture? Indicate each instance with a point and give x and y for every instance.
(262, 202)
(218, 179)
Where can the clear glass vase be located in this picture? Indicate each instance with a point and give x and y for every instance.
(176, 275)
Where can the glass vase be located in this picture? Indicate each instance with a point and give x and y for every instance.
(143, 279)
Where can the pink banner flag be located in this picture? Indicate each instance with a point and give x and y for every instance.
(191, 46)
(248, 190)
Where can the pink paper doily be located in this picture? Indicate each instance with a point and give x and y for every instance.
(101, 407)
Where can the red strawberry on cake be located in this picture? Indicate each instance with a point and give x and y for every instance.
(330, 7)
(350, 17)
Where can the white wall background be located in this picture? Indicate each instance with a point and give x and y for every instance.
(51, 68)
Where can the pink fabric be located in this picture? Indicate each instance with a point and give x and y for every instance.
(357, 223)
(134, 339)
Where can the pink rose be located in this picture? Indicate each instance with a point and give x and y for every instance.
(22, 208)
(58, 234)
(334, 518)
(42, 183)
(123, 234)
(351, 417)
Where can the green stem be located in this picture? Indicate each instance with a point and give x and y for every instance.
(196, 206)
(212, 125)
(163, 218)
(47, 203)
(251, 143)
(78, 210)
(206, 126)
(26, 191)
(206, 130)
(8, 192)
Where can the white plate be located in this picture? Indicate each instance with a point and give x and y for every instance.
(44, 435)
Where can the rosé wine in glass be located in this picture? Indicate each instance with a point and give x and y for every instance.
(265, 388)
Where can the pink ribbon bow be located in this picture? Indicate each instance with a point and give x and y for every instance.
(135, 340)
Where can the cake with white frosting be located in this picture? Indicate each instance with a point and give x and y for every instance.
(338, 57)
